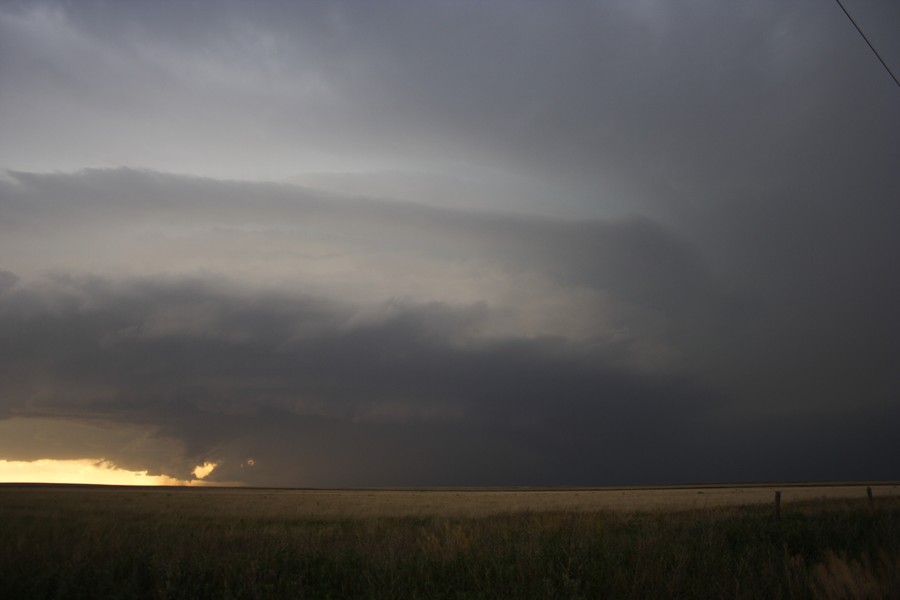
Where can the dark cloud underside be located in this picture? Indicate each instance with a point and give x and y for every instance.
(451, 242)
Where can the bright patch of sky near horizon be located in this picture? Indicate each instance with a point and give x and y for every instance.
(89, 471)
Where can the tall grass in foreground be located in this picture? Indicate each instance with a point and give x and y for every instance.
(839, 549)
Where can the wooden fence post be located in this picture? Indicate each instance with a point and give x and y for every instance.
(777, 505)
(871, 499)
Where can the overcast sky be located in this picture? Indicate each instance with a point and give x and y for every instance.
(452, 242)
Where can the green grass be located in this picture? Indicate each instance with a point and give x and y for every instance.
(81, 543)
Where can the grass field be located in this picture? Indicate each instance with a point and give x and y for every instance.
(698, 542)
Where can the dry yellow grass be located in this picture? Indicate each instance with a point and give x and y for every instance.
(362, 503)
(94, 541)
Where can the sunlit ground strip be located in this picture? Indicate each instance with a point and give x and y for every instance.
(93, 471)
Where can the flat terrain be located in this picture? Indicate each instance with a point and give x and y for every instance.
(695, 542)
(473, 502)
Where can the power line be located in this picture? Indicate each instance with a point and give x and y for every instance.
(881, 60)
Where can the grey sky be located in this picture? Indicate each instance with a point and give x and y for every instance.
(408, 243)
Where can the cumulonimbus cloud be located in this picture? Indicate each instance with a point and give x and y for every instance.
(354, 340)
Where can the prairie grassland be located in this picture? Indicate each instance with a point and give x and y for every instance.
(74, 541)
(458, 502)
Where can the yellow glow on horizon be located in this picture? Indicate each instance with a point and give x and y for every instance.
(86, 470)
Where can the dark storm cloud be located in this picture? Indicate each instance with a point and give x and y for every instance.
(730, 313)
(766, 329)
(217, 371)
(316, 400)
(641, 265)
(623, 104)
(364, 390)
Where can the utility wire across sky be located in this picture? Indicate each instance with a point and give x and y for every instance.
(881, 60)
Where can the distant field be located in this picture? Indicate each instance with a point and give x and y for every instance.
(436, 502)
(696, 542)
